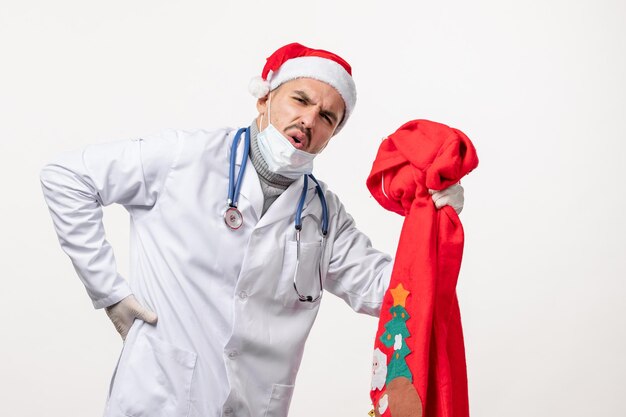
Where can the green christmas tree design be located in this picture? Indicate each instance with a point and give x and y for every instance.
(395, 334)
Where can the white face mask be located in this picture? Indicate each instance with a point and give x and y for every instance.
(280, 155)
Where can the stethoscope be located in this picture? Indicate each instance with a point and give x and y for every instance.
(234, 219)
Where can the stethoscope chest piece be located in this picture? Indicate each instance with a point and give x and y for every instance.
(233, 218)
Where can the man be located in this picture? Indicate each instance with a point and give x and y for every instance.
(235, 280)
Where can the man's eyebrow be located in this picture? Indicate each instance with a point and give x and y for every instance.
(304, 96)
(330, 114)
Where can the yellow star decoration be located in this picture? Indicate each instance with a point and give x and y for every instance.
(399, 295)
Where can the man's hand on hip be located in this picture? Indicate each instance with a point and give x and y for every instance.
(124, 312)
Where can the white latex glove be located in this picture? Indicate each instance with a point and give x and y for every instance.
(451, 196)
(124, 313)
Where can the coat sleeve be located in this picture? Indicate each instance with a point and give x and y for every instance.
(357, 272)
(76, 184)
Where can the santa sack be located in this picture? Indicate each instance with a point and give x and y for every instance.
(419, 357)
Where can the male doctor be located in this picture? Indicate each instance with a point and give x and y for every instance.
(231, 245)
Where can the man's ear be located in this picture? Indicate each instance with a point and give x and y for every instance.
(261, 104)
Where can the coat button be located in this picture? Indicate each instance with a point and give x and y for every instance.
(243, 295)
(233, 354)
(228, 410)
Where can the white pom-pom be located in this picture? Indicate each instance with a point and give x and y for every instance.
(258, 87)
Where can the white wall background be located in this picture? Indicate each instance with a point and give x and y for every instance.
(539, 86)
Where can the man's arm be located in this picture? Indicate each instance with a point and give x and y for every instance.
(357, 273)
(360, 274)
(76, 184)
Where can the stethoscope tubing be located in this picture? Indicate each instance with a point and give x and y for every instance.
(234, 187)
(320, 193)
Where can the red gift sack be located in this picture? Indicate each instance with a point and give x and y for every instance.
(419, 355)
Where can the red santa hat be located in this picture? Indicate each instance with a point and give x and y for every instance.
(297, 61)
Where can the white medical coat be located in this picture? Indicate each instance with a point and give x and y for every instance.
(231, 331)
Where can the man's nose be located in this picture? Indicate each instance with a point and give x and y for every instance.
(307, 119)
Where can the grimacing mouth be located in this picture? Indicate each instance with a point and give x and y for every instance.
(299, 137)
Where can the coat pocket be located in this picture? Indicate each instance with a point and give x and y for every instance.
(280, 399)
(155, 379)
(306, 270)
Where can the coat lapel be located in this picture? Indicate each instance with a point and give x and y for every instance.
(286, 204)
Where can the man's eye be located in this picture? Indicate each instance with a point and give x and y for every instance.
(300, 100)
